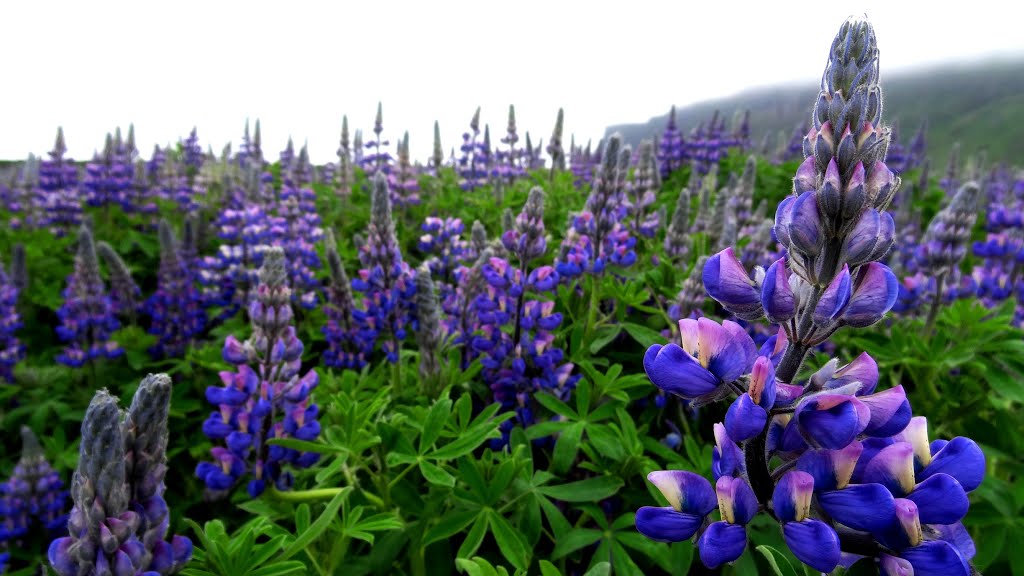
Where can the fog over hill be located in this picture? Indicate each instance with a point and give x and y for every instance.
(979, 104)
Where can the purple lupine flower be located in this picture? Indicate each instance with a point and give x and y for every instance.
(402, 180)
(643, 191)
(176, 307)
(11, 349)
(474, 161)
(120, 518)
(461, 305)
(192, 152)
(346, 175)
(297, 229)
(508, 164)
(58, 186)
(844, 468)
(250, 153)
(125, 294)
(601, 239)
(385, 280)
(671, 148)
(442, 240)
(950, 183)
(265, 398)
(523, 360)
(87, 315)
(108, 178)
(33, 494)
(379, 160)
(347, 345)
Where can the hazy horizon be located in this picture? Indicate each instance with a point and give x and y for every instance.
(299, 71)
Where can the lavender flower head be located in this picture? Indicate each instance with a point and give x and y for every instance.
(385, 280)
(120, 518)
(87, 315)
(34, 493)
(124, 292)
(11, 350)
(348, 346)
(844, 468)
(265, 398)
(176, 306)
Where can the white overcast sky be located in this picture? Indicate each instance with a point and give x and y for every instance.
(298, 66)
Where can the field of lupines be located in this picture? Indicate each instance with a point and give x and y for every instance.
(688, 358)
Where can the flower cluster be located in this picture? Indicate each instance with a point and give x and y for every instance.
(11, 350)
(402, 180)
(87, 316)
(642, 192)
(120, 519)
(176, 306)
(347, 345)
(379, 160)
(474, 162)
(671, 147)
(346, 172)
(600, 236)
(523, 360)
(109, 177)
(33, 494)
(385, 280)
(58, 190)
(264, 398)
(845, 469)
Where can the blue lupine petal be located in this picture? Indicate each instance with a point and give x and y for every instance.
(962, 459)
(745, 419)
(936, 558)
(814, 543)
(670, 368)
(832, 420)
(868, 507)
(667, 525)
(722, 542)
(940, 499)
(890, 412)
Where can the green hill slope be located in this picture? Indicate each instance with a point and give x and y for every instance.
(980, 104)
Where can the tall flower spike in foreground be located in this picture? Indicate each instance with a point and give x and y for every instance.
(429, 333)
(119, 521)
(265, 398)
(845, 469)
(554, 148)
(87, 315)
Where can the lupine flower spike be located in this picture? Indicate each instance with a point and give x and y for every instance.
(120, 518)
(845, 469)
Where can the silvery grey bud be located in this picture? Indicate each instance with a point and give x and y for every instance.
(428, 335)
(124, 291)
(438, 158)
(478, 237)
(273, 273)
(145, 446)
(555, 144)
(340, 289)
(380, 209)
(677, 239)
(508, 219)
(99, 486)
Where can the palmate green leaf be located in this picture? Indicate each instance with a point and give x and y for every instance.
(588, 490)
(605, 335)
(574, 540)
(474, 537)
(644, 336)
(435, 474)
(305, 446)
(566, 447)
(780, 565)
(509, 542)
(549, 569)
(438, 415)
(478, 566)
(450, 525)
(599, 569)
(317, 528)
(555, 405)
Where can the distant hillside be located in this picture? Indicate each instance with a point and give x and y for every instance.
(981, 105)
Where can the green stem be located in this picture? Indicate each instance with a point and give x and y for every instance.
(396, 373)
(592, 310)
(400, 476)
(305, 495)
(933, 312)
